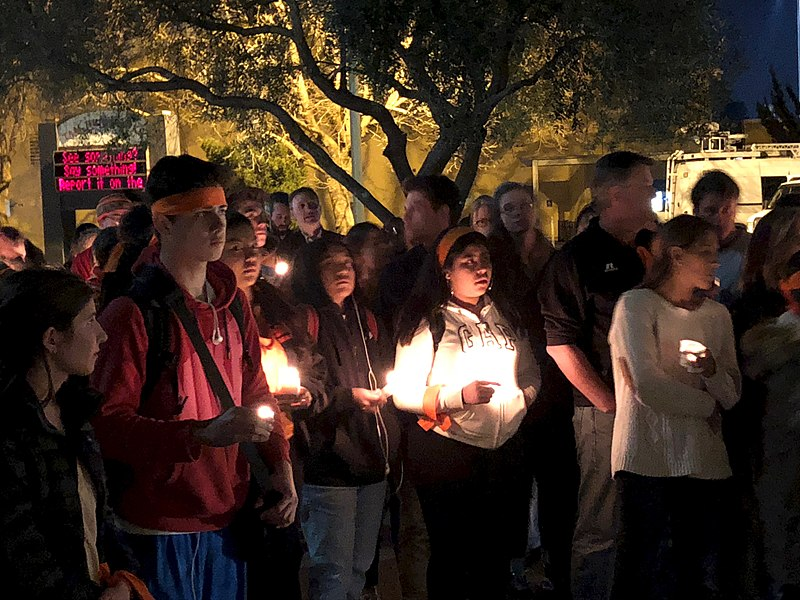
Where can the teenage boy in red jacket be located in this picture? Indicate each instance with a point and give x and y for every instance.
(188, 476)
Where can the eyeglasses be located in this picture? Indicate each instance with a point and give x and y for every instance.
(517, 207)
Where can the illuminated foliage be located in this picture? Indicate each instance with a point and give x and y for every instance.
(469, 74)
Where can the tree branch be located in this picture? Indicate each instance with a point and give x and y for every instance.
(469, 166)
(490, 103)
(441, 152)
(395, 149)
(292, 128)
(214, 25)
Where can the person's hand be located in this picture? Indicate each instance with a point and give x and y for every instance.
(237, 424)
(289, 402)
(369, 400)
(283, 513)
(606, 404)
(706, 364)
(478, 392)
(119, 591)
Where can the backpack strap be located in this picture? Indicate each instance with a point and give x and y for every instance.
(258, 468)
(437, 327)
(237, 310)
(372, 324)
(159, 355)
(312, 320)
(149, 291)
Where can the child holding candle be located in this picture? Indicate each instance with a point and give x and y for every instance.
(295, 374)
(675, 370)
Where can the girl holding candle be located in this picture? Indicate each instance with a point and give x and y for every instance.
(295, 374)
(466, 368)
(675, 370)
(351, 434)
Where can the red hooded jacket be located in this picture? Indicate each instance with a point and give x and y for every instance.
(179, 485)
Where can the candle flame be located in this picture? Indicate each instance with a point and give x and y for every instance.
(281, 268)
(265, 412)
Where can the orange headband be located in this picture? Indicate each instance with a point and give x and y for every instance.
(186, 202)
(450, 238)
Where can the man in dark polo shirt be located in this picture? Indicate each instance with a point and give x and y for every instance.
(580, 287)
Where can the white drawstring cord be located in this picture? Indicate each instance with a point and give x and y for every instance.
(380, 424)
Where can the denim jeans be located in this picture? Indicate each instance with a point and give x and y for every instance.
(594, 541)
(341, 526)
(190, 566)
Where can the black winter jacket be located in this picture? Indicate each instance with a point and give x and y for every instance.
(342, 445)
(41, 526)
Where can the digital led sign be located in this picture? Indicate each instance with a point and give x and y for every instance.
(88, 169)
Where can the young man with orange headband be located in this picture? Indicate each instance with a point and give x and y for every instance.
(188, 476)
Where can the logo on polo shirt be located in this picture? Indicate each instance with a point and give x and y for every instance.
(611, 267)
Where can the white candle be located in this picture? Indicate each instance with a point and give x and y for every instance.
(692, 348)
(288, 381)
(265, 412)
(691, 351)
(281, 268)
(391, 384)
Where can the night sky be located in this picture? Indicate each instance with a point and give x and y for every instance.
(764, 34)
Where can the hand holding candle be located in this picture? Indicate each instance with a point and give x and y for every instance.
(696, 358)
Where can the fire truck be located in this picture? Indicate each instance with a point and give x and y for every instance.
(758, 169)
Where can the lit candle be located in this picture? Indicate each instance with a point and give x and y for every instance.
(691, 351)
(288, 381)
(265, 412)
(281, 268)
(391, 384)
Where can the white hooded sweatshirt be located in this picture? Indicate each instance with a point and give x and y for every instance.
(471, 349)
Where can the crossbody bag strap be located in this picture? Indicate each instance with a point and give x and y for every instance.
(258, 468)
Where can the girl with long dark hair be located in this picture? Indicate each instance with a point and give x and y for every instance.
(55, 529)
(273, 567)
(465, 367)
(350, 436)
(675, 371)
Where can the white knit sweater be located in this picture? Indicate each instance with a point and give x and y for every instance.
(471, 349)
(668, 420)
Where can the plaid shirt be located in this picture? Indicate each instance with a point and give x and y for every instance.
(41, 532)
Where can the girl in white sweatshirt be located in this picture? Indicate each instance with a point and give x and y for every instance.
(668, 454)
(466, 369)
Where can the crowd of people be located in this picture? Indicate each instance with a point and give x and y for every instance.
(206, 394)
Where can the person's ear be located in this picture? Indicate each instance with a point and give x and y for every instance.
(443, 214)
(163, 224)
(50, 339)
(676, 255)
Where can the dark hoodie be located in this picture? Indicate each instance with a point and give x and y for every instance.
(179, 485)
(341, 445)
